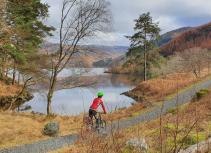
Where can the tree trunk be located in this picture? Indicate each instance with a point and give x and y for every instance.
(145, 57)
(1, 73)
(6, 73)
(3, 64)
(4, 68)
(51, 91)
(49, 100)
(14, 73)
(19, 77)
(145, 66)
(199, 69)
(19, 94)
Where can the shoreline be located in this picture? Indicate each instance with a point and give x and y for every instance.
(5, 101)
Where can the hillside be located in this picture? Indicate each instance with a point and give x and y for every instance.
(167, 37)
(195, 37)
(107, 49)
(89, 55)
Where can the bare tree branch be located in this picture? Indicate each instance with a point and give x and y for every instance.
(80, 19)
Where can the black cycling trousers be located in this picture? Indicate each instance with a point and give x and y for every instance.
(92, 113)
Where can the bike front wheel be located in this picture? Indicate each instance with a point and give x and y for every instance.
(103, 124)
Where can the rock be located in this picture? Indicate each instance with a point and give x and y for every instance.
(138, 143)
(51, 129)
(201, 147)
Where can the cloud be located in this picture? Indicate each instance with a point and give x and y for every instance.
(170, 14)
(108, 39)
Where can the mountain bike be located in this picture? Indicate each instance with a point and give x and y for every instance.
(97, 124)
(100, 123)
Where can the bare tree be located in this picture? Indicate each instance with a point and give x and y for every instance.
(80, 19)
(194, 60)
(26, 83)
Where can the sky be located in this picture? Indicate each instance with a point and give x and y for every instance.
(171, 14)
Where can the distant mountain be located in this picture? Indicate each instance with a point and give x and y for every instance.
(116, 53)
(167, 37)
(194, 37)
(53, 47)
(48, 47)
(113, 53)
(90, 55)
(108, 49)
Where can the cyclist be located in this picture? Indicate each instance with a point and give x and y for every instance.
(95, 104)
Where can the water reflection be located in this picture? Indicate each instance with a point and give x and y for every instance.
(81, 72)
(77, 100)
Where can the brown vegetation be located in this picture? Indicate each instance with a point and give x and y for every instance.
(181, 127)
(9, 90)
(192, 122)
(130, 69)
(158, 88)
(196, 37)
(23, 128)
(194, 60)
(125, 113)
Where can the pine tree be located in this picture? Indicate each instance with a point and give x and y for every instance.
(146, 33)
(24, 33)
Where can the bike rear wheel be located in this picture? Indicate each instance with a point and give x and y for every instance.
(103, 124)
(100, 126)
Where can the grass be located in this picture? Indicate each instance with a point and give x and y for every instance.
(159, 103)
(15, 129)
(21, 128)
(186, 117)
(150, 131)
(135, 109)
(24, 128)
(9, 90)
(170, 96)
(158, 89)
(139, 108)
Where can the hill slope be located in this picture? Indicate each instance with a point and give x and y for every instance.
(89, 55)
(167, 37)
(195, 37)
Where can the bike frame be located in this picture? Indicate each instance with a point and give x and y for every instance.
(96, 125)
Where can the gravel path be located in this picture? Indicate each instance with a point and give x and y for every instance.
(59, 142)
(43, 146)
(182, 98)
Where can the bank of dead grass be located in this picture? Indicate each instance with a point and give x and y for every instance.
(24, 128)
(155, 90)
(9, 90)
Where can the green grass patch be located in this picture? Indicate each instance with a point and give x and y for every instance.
(200, 94)
(172, 111)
